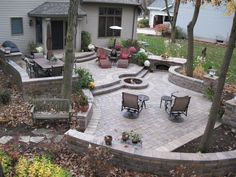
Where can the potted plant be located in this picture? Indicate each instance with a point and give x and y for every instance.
(108, 140)
(125, 136)
(82, 102)
(141, 57)
(135, 137)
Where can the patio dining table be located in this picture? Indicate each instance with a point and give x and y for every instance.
(46, 64)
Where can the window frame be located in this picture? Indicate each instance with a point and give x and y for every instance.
(11, 25)
(107, 15)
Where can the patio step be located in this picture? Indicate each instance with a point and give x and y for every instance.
(86, 57)
(142, 73)
(108, 89)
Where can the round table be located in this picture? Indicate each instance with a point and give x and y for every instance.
(166, 99)
(143, 99)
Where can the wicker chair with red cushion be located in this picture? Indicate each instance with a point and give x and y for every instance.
(124, 54)
(103, 60)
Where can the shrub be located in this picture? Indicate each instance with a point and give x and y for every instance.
(140, 57)
(162, 28)
(198, 72)
(180, 34)
(209, 93)
(144, 23)
(130, 43)
(6, 162)
(39, 167)
(85, 40)
(85, 78)
(32, 47)
(5, 97)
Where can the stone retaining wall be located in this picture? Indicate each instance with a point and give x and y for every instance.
(84, 118)
(209, 164)
(33, 87)
(191, 83)
(229, 116)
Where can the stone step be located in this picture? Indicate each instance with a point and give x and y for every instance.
(107, 85)
(107, 89)
(86, 58)
(143, 73)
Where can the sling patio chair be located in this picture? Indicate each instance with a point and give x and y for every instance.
(130, 102)
(179, 106)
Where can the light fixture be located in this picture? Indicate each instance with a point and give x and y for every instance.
(212, 72)
(30, 22)
(147, 63)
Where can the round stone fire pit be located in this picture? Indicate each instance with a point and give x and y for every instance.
(134, 83)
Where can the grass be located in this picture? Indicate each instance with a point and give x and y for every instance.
(214, 57)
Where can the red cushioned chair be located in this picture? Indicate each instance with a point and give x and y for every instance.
(103, 60)
(123, 61)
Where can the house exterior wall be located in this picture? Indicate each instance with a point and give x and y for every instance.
(16, 8)
(90, 23)
(212, 24)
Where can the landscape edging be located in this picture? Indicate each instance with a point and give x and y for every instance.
(156, 162)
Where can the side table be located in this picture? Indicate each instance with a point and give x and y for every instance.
(166, 99)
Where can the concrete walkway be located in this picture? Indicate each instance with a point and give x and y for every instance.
(158, 132)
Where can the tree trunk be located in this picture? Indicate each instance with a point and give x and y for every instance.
(189, 69)
(205, 141)
(173, 27)
(69, 51)
(173, 21)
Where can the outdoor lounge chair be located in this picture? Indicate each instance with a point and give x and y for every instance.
(180, 106)
(130, 102)
(123, 61)
(103, 59)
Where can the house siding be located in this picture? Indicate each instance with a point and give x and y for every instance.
(16, 8)
(212, 24)
(90, 23)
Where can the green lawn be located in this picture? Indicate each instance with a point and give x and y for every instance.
(214, 57)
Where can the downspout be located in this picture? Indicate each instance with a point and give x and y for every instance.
(133, 23)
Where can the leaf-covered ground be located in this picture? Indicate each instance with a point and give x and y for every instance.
(15, 120)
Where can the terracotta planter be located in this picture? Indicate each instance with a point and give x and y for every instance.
(108, 140)
(84, 108)
(125, 137)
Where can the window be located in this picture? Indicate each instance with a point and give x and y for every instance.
(109, 17)
(16, 26)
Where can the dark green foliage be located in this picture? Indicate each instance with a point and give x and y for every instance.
(144, 23)
(85, 77)
(140, 58)
(85, 40)
(130, 43)
(5, 97)
(180, 34)
(209, 93)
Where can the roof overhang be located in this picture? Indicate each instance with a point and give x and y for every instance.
(53, 9)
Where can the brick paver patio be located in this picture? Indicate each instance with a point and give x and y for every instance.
(158, 132)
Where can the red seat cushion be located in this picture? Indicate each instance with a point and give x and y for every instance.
(124, 55)
(103, 56)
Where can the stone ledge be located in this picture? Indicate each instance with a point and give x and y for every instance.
(190, 83)
(153, 161)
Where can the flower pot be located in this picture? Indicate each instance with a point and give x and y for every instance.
(135, 141)
(84, 108)
(125, 137)
(108, 140)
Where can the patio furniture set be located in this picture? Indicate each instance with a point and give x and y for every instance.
(175, 105)
(38, 66)
(120, 59)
